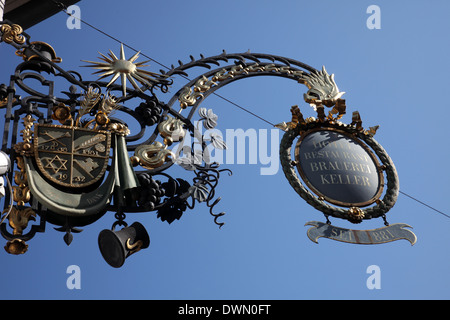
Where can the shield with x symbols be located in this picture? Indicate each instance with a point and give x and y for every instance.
(71, 156)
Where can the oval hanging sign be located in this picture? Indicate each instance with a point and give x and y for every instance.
(342, 167)
(339, 167)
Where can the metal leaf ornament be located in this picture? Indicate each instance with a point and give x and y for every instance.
(173, 210)
(217, 141)
(186, 163)
(199, 192)
(208, 117)
(190, 160)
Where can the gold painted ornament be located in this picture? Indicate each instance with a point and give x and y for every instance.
(123, 68)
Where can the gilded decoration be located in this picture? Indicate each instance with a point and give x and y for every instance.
(16, 246)
(124, 68)
(12, 33)
(19, 218)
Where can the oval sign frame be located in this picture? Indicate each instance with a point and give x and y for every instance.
(381, 207)
(315, 189)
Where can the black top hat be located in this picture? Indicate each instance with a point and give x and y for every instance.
(116, 246)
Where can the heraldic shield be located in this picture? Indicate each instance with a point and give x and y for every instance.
(70, 156)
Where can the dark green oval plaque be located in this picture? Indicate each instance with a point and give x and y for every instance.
(339, 167)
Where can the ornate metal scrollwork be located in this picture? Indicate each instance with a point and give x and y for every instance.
(141, 125)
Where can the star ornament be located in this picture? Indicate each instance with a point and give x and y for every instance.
(125, 69)
(53, 164)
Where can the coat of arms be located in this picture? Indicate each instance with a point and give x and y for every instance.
(71, 156)
(75, 167)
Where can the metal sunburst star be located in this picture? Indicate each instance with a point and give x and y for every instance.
(126, 69)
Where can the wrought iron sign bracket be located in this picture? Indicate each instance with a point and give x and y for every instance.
(78, 158)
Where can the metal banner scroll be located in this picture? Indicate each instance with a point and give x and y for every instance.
(389, 233)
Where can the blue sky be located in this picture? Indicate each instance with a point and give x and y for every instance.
(396, 77)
